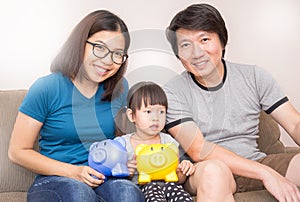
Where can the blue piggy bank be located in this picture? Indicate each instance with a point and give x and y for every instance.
(109, 157)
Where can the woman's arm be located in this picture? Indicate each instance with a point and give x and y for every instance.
(25, 133)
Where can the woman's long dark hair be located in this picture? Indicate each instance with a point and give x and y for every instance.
(70, 58)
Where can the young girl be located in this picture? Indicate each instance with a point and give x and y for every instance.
(147, 105)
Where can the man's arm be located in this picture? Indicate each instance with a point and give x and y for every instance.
(289, 118)
(191, 139)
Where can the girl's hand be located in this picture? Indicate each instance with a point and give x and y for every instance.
(132, 166)
(88, 175)
(186, 167)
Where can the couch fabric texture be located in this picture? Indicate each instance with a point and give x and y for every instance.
(15, 180)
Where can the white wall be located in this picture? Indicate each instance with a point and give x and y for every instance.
(262, 32)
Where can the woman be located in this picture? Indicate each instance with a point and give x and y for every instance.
(71, 108)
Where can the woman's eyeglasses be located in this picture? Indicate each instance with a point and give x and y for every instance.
(101, 51)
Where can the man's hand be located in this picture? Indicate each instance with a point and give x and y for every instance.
(282, 189)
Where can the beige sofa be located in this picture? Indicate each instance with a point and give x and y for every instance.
(15, 180)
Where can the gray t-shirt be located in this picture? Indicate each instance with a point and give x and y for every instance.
(227, 114)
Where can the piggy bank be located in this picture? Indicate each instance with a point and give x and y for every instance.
(109, 157)
(157, 162)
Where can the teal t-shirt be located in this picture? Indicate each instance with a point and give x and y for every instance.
(71, 122)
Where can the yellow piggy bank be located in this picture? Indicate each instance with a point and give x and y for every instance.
(157, 162)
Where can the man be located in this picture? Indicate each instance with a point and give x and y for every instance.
(214, 109)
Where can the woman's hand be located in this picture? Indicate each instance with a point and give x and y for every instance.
(88, 175)
(186, 167)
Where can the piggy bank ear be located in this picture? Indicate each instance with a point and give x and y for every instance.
(139, 148)
(172, 146)
(93, 146)
(121, 140)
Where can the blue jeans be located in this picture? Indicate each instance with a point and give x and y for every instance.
(62, 189)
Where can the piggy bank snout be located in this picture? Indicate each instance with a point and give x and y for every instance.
(99, 155)
(158, 159)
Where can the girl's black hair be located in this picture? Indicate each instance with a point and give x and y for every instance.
(145, 92)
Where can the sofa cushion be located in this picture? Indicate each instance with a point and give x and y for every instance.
(13, 197)
(9, 104)
(254, 196)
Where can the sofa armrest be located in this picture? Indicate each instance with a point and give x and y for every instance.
(13, 178)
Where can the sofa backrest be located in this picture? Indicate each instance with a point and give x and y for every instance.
(269, 134)
(15, 178)
(12, 177)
